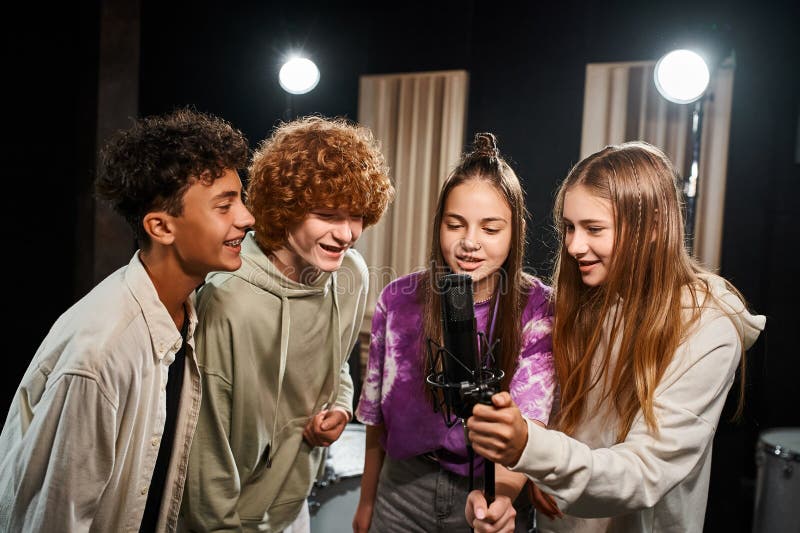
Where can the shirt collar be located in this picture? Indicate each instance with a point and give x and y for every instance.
(166, 338)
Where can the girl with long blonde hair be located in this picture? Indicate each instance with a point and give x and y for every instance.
(646, 345)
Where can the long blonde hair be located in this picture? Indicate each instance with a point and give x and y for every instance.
(649, 274)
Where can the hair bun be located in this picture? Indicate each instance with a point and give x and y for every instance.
(485, 144)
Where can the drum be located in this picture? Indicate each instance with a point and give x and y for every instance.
(334, 498)
(777, 502)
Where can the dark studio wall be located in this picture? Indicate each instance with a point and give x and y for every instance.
(526, 63)
(49, 120)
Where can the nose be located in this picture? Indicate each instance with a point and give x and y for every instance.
(576, 244)
(470, 245)
(244, 218)
(470, 241)
(347, 230)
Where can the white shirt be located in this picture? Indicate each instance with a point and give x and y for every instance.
(82, 436)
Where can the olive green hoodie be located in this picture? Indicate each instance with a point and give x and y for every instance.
(273, 352)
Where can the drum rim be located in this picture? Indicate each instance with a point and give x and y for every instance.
(779, 451)
(767, 442)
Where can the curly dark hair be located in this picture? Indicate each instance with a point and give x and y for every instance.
(315, 162)
(149, 166)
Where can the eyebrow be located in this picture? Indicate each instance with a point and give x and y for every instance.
(487, 219)
(224, 195)
(587, 221)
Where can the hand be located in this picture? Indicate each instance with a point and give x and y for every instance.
(499, 517)
(325, 427)
(544, 503)
(362, 518)
(498, 432)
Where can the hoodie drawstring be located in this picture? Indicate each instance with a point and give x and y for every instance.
(337, 342)
(285, 323)
(335, 368)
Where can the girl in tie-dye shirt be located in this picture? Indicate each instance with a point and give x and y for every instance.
(416, 468)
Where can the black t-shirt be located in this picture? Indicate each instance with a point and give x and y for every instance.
(174, 384)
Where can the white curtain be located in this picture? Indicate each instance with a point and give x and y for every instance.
(419, 119)
(621, 103)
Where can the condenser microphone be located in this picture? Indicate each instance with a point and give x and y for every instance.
(460, 336)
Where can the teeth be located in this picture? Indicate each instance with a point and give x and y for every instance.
(234, 242)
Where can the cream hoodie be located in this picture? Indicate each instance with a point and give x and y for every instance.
(272, 352)
(647, 483)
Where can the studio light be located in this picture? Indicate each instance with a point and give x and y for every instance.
(298, 75)
(681, 76)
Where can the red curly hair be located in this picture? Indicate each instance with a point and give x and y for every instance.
(310, 163)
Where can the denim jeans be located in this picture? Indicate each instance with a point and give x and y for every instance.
(418, 496)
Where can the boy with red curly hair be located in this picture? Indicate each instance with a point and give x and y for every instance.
(274, 336)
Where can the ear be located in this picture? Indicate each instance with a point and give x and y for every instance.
(158, 225)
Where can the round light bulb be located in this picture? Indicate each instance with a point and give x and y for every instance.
(681, 76)
(298, 75)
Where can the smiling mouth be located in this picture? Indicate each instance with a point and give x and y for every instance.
(333, 249)
(469, 264)
(582, 264)
(233, 243)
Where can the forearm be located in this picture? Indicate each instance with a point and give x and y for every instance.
(347, 414)
(373, 462)
(344, 397)
(625, 477)
(508, 483)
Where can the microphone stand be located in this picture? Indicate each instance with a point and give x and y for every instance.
(455, 400)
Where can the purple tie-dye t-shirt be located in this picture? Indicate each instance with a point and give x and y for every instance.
(392, 394)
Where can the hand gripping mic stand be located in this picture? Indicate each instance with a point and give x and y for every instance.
(455, 398)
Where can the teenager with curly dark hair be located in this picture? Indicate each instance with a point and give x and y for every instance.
(98, 435)
(274, 336)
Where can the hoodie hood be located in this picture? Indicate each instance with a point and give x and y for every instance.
(747, 324)
(258, 270)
